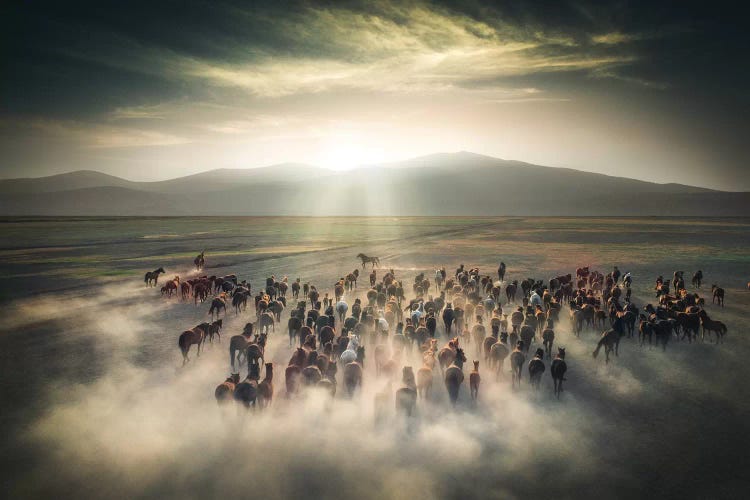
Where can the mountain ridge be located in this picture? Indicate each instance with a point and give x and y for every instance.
(444, 184)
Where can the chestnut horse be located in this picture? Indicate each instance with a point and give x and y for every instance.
(196, 335)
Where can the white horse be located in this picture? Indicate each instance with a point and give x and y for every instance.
(341, 308)
(383, 326)
(350, 354)
(417, 314)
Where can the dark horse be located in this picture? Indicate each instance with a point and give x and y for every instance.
(368, 260)
(238, 344)
(199, 261)
(610, 339)
(216, 306)
(153, 276)
(558, 370)
(718, 295)
(454, 376)
(189, 337)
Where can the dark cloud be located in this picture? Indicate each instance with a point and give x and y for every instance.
(81, 61)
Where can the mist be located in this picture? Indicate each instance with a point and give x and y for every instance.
(143, 426)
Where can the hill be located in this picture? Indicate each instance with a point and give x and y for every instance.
(444, 184)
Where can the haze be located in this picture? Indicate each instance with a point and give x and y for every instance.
(152, 92)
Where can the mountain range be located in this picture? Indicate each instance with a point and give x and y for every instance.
(441, 184)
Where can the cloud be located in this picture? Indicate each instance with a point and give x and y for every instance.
(95, 135)
(616, 38)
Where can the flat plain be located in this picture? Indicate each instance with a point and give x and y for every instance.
(95, 400)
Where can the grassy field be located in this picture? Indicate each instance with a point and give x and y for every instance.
(96, 403)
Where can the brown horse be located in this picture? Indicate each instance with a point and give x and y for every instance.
(447, 354)
(454, 375)
(184, 290)
(224, 392)
(199, 261)
(517, 360)
(217, 305)
(214, 329)
(406, 396)
(558, 369)
(152, 277)
(717, 327)
(474, 380)
(536, 368)
(368, 260)
(238, 344)
(265, 388)
(196, 335)
(498, 352)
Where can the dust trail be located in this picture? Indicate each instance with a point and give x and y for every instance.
(153, 429)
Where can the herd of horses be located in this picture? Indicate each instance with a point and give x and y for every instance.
(328, 335)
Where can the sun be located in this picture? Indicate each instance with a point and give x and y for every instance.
(346, 154)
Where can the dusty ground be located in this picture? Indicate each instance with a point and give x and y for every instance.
(96, 403)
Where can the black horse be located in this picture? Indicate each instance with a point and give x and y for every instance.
(153, 276)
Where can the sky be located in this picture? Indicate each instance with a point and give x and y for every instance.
(156, 90)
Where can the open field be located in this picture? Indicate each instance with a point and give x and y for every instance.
(96, 403)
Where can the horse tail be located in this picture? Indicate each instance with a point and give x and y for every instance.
(145, 278)
(181, 343)
(598, 347)
(231, 355)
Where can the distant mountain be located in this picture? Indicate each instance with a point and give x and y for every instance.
(444, 184)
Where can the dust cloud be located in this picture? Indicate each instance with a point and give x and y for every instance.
(144, 426)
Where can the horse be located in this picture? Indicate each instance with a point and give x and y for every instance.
(517, 360)
(214, 329)
(610, 340)
(341, 309)
(184, 290)
(294, 325)
(225, 391)
(217, 305)
(406, 396)
(447, 354)
(238, 344)
(558, 369)
(196, 335)
(717, 327)
(264, 321)
(254, 352)
(548, 338)
(697, 279)
(510, 291)
(246, 391)
(265, 388)
(153, 276)
(474, 380)
(536, 368)
(199, 261)
(498, 352)
(352, 377)
(454, 375)
(368, 260)
(718, 295)
(239, 301)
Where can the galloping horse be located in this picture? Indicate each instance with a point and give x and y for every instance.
(368, 260)
(454, 375)
(610, 340)
(718, 295)
(199, 261)
(196, 335)
(153, 276)
(558, 370)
